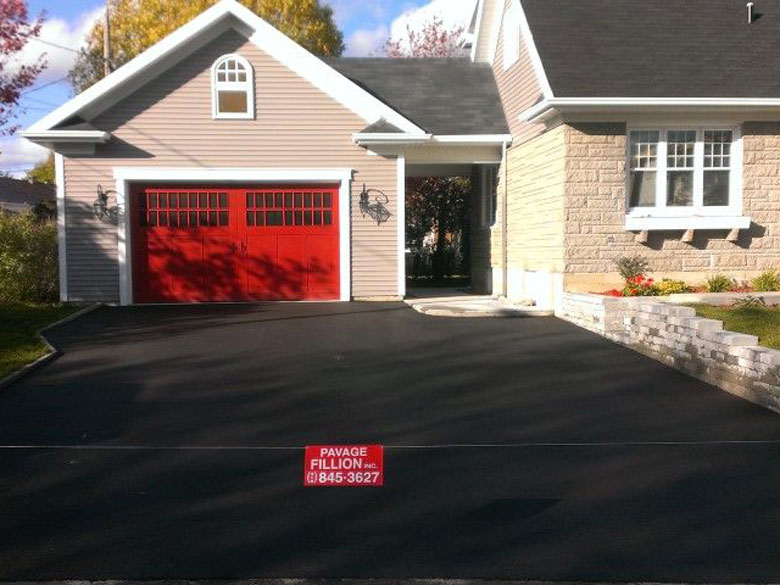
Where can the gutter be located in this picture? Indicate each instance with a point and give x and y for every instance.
(412, 139)
(544, 109)
(68, 136)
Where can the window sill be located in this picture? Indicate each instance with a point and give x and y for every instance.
(691, 222)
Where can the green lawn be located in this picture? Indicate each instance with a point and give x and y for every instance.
(18, 323)
(761, 321)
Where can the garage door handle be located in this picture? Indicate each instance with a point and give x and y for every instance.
(243, 247)
(233, 247)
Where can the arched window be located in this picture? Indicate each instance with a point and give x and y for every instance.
(233, 88)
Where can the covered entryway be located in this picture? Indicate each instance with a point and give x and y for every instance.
(204, 243)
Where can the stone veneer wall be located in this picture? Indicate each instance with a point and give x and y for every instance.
(595, 210)
(677, 337)
(532, 181)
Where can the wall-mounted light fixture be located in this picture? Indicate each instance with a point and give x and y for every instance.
(103, 211)
(378, 209)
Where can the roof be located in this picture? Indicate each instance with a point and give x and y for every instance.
(224, 15)
(17, 195)
(657, 48)
(442, 96)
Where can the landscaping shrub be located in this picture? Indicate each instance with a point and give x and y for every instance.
(671, 287)
(28, 259)
(769, 281)
(632, 266)
(720, 283)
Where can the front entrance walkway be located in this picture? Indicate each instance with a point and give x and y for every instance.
(452, 302)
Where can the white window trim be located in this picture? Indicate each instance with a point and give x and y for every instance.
(62, 226)
(511, 26)
(248, 86)
(696, 216)
(124, 176)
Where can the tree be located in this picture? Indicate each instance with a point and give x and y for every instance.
(15, 32)
(42, 172)
(433, 41)
(435, 206)
(138, 24)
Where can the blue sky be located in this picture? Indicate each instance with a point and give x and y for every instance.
(366, 25)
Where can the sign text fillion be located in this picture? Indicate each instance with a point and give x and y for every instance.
(344, 466)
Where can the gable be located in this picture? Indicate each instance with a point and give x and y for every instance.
(518, 85)
(171, 117)
(214, 21)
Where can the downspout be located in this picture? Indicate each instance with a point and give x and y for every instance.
(505, 222)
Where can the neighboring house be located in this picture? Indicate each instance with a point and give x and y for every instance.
(17, 196)
(244, 168)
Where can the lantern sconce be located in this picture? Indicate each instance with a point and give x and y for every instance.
(103, 211)
(378, 209)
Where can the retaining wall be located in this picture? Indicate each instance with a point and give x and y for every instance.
(677, 337)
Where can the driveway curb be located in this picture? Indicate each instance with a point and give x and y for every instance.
(53, 352)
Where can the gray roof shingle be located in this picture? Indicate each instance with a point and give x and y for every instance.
(442, 96)
(657, 48)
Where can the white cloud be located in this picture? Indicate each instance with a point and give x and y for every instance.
(345, 10)
(69, 34)
(367, 43)
(17, 154)
(453, 13)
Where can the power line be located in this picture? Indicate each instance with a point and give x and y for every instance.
(45, 85)
(63, 47)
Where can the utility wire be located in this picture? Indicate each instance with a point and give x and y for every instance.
(45, 85)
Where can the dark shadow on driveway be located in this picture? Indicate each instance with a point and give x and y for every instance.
(241, 378)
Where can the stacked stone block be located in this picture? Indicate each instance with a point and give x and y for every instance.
(677, 337)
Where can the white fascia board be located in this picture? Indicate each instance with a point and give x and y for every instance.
(479, 9)
(390, 138)
(453, 140)
(545, 107)
(230, 175)
(495, 30)
(473, 139)
(692, 222)
(265, 37)
(68, 136)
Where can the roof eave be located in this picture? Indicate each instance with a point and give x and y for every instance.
(374, 139)
(547, 108)
(67, 137)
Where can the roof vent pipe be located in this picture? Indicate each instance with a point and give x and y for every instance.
(750, 12)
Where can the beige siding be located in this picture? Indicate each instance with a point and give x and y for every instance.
(168, 123)
(519, 88)
(596, 210)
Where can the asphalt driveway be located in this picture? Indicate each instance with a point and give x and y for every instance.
(166, 443)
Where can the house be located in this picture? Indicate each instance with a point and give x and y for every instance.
(17, 196)
(241, 167)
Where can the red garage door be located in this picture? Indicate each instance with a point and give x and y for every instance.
(209, 244)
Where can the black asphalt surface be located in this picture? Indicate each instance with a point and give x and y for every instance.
(165, 444)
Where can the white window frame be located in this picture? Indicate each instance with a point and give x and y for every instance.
(247, 86)
(512, 37)
(698, 209)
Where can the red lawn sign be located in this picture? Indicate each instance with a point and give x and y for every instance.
(344, 466)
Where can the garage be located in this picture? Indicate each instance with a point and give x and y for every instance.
(209, 243)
